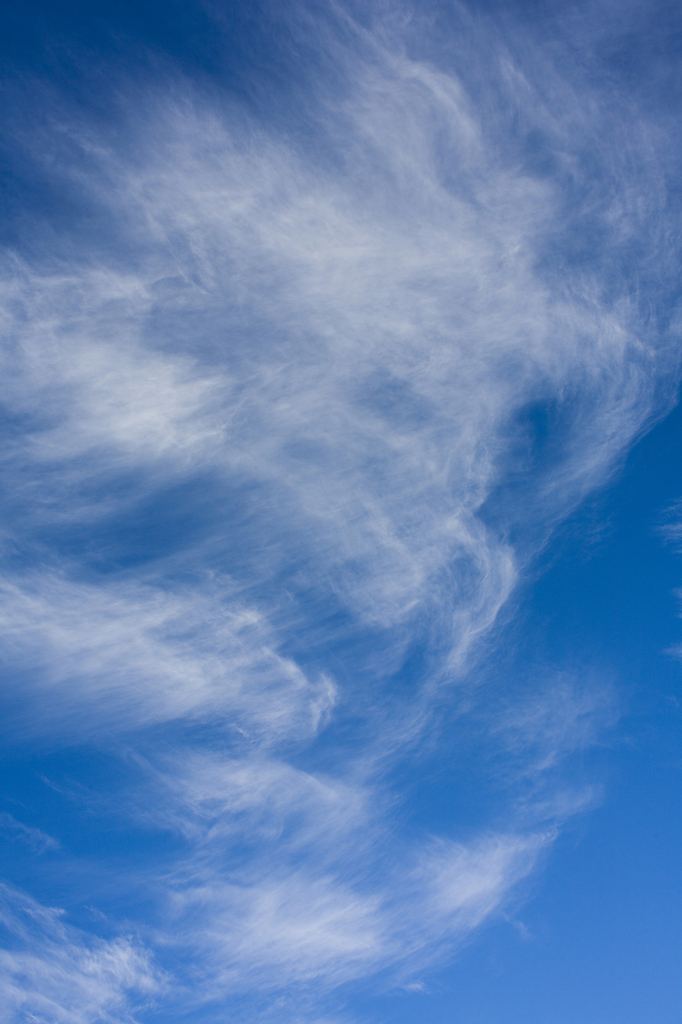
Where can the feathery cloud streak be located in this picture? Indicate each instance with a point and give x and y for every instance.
(273, 438)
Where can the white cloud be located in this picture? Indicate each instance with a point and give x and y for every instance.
(35, 838)
(50, 973)
(74, 366)
(126, 655)
(343, 347)
(296, 927)
(291, 879)
(551, 721)
(358, 344)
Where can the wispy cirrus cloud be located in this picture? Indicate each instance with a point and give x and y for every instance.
(310, 412)
(288, 882)
(132, 655)
(49, 971)
(34, 837)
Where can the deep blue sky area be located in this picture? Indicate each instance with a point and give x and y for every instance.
(341, 547)
(599, 939)
(598, 936)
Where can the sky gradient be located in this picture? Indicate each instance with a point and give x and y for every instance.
(342, 505)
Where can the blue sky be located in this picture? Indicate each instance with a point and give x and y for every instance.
(341, 513)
